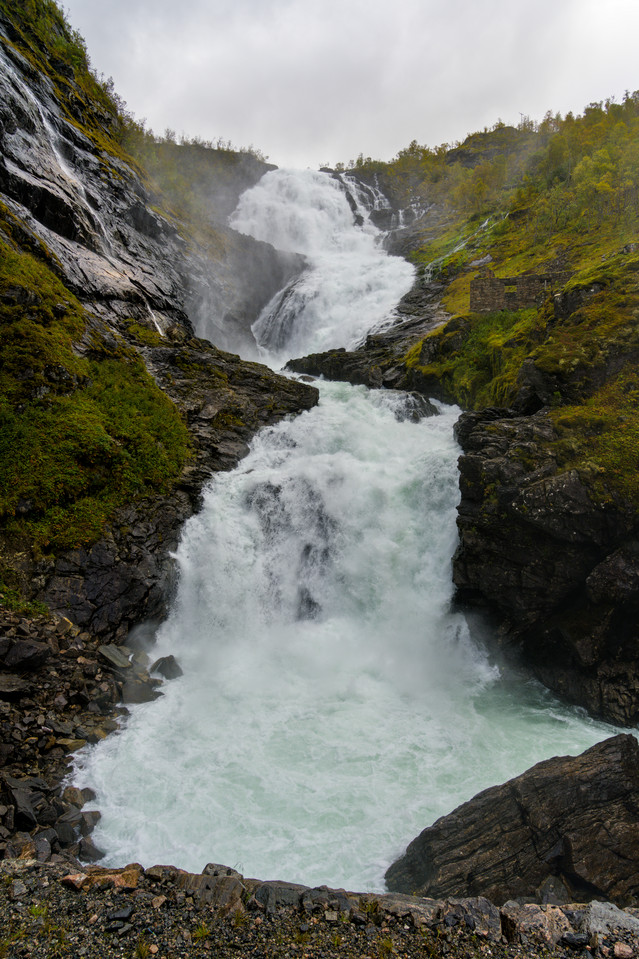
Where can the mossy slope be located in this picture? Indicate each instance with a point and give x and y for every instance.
(95, 253)
(560, 196)
(82, 432)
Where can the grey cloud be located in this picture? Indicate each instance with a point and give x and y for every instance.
(309, 82)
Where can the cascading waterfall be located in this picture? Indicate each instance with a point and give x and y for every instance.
(331, 705)
(350, 285)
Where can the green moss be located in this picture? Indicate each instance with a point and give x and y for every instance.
(478, 364)
(143, 335)
(601, 437)
(11, 598)
(39, 320)
(228, 420)
(70, 461)
(79, 435)
(603, 329)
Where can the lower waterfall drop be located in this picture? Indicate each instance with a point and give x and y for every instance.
(331, 705)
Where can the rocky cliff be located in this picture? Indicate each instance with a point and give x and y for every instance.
(556, 561)
(102, 289)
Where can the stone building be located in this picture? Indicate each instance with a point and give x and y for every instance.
(489, 292)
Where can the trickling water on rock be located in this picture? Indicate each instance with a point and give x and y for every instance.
(331, 704)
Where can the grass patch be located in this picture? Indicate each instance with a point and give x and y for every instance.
(601, 436)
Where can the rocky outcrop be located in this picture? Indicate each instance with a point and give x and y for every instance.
(556, 563)
(567, 830)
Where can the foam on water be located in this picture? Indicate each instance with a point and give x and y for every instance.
(331, 704)
(350, 285)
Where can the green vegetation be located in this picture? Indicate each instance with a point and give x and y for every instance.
(559, 196)
(12, 598)
(80, 434)
(601, 436)
(477, 363)
(201, 932)
(142, 948)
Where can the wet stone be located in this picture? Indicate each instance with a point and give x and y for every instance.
(88, 851)
(114, 656)
(167, 666)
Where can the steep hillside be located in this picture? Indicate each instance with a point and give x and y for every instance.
(527, 244)
(108, 402)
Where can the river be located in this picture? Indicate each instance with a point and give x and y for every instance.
(332, 703)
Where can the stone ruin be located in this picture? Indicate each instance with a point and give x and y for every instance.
(489, 293)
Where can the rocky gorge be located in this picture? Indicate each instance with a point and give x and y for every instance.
(544, 547)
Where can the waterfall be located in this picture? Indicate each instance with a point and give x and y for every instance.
(350, 285)
(332, 704)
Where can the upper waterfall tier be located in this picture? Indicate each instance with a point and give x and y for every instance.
(351, 284)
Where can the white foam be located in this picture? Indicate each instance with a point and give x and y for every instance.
(331, 704)
(350, 285)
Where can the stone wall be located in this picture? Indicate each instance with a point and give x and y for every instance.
(489, 292)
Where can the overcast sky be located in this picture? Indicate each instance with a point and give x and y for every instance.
(310, 82)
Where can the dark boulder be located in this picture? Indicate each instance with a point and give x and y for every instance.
(25, 655)
(575, 819)
(167, 666)
(554, 561)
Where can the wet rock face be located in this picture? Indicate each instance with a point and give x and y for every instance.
(558, 567)
(96, 217)
(568, 822)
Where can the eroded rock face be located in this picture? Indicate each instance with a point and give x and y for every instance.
(99, 222)
(559, 566)
(574, 819)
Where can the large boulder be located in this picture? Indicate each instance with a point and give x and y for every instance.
(556, 563)
(567, 823)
